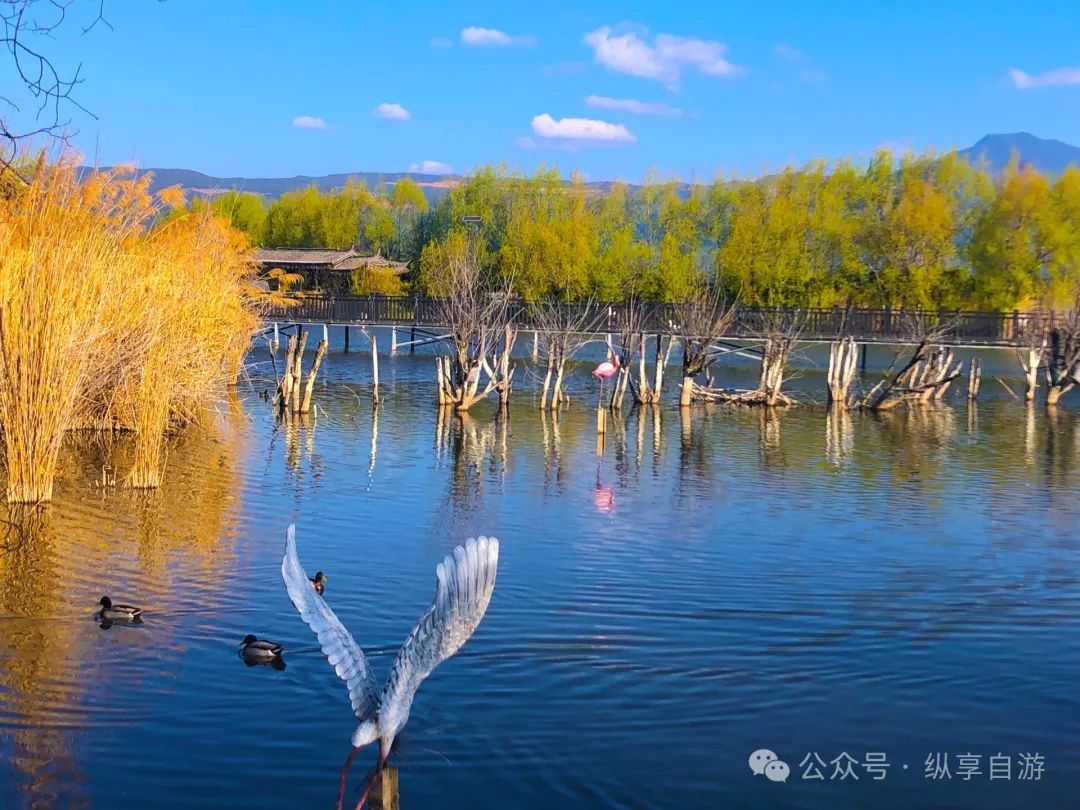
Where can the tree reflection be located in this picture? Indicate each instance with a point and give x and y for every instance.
(839, 435)
(474, 449)
(551, 432)
(769, 439)
(916, 439)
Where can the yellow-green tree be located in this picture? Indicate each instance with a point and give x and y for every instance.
(1012, 247)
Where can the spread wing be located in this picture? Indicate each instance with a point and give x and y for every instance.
(463, 585)
(337, 644)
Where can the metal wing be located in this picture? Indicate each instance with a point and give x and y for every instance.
(463, 585)
(337, 644)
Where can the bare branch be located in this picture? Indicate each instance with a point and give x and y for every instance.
(25, 25)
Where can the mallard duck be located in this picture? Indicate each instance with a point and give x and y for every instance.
(252, 649)
(318, 582)
(111, 612)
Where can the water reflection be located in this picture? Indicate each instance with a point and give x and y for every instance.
(55, 564)
(1062, 438)
(718, 574)
(551, 432)
(476, 453)
(769, 438)
(839, 435)
(301, 456)
(603, 495)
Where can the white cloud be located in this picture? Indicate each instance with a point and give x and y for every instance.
(392, 112)
(308, 122)
(631, 105)
(664, 59)
(789, 54)
(1059, 77)
(580, 129)
(492, 37)
(431, 167)
(525, 142)
(440, 42)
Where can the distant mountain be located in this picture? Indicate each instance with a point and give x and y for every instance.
(1045, 154)
(434, 186)
(197, 183)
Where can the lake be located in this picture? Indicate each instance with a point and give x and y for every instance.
(842, 589)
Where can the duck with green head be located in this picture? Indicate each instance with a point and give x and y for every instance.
(252, 648)
(318, 582)
(113, 613)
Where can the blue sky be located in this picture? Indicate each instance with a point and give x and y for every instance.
(689, 89)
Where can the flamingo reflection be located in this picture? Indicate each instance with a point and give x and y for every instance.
(603, 496)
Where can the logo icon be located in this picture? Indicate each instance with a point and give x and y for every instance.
(777, 771)
(764, 762)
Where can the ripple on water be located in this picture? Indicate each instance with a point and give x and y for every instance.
(721, 582)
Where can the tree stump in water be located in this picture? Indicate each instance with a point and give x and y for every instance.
(843, 360)
(974, 377)
(384, 789)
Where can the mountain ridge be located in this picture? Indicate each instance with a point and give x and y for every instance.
(1045, 154)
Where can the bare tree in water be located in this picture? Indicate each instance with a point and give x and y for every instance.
(477, 310)
(561, 329)
(1063, 361)
(925, 373)
(779, 331)
(703, 319)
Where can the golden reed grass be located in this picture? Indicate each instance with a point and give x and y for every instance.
(109, 324)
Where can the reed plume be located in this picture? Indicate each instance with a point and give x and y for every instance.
(109, 324)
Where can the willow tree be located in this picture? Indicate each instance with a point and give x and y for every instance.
(763, 259)
(1026, 247)
(550, 238)
(621, 260)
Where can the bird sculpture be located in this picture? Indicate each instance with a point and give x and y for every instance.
(464, 581)
(609, 368)
(117, 613)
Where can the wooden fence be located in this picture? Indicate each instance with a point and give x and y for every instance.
(865, 325)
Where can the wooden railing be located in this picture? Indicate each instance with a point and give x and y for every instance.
(867, 325)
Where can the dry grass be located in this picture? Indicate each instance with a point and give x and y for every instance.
(106, 324)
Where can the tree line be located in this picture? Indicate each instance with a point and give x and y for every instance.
(922, 231)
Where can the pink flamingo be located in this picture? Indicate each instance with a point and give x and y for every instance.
(606, 369)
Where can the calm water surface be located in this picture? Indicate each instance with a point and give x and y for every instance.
(708, 586)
